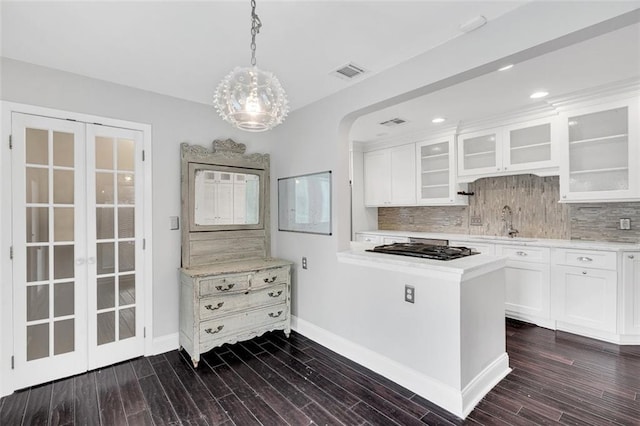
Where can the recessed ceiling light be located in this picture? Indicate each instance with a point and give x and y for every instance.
(506, 67)
(438, 120)
(538, 95)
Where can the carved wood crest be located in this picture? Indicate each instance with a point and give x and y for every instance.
(224, 149)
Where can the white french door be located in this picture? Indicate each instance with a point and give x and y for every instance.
(77, 247)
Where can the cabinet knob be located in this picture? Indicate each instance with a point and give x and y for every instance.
(631, 256)
(585, 259)
(584, 272)
(521, 253)
(564, 196)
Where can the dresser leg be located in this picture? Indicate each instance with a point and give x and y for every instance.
(195, 363)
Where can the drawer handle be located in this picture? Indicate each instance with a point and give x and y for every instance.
(631, 256)
(521, 253)
(585, 259)
(212, 331)
(213, 308)
(270, 280)
(584, 272)
(274, 315)
(227, 288)
(275, 294)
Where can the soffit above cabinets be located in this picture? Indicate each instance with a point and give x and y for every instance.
(601, 61)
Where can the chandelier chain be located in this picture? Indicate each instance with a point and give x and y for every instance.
(256, 24)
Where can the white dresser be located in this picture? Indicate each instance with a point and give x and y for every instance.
(231, 302)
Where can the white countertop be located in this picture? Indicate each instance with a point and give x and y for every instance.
(521, 241)
(462, 268)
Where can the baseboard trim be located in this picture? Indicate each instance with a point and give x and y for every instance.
(166, 343)
(458, 402)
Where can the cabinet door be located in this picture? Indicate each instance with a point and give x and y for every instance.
(631, 293)
(377, 178)
(436, 173)
(527, 289)
(403, 175)
(586, 297)
(531, 145)
(600, 153)
(480, 153)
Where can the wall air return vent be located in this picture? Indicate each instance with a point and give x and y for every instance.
(349, 71)
(393, 122)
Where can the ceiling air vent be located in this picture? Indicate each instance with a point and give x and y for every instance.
(349, 71)
(393, 122)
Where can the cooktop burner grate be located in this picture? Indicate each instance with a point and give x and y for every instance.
(425, 251)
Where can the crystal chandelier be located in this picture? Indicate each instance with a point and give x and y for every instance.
(249, 98)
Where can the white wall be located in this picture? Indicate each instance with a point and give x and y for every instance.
(331, 295)
(173, 121)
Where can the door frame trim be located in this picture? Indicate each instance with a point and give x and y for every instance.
(7, 385)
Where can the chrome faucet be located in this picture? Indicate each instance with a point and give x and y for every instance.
(507, 218)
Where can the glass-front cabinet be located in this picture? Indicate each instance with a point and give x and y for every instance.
(436, 166)
(527, 147)
(600, 153)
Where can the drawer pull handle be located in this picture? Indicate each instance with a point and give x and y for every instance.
(213, 308)
(275, 294)
(631, 256)
(270, 280)
(521, 253)
(212, 331)
(585, 259)
(274, 315)
(227, 288)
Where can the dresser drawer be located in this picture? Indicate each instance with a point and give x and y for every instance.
(218, 327)
(270, 276)
(223, 284)
(586, 258)
(211, 307)
(524, 253)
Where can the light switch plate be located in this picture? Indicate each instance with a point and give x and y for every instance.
(174, 222)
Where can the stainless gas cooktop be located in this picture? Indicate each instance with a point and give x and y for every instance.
(425, 251)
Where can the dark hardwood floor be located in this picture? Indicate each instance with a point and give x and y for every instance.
(557, 378)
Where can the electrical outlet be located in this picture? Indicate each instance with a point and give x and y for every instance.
(409, 294)
(475, 221)
(625, 223)
(304, 263)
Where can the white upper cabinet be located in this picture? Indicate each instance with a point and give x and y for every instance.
(436, 173)
(390, 177)
(528, 147)
(600, 154)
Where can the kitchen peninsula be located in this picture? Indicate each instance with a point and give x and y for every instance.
(448, 344)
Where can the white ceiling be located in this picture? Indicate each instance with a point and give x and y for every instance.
(600, 61)
(183, 49)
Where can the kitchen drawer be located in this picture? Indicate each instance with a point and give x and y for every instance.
(586, 258)
(213, 329)
(270, 276)
(211, 307)
(393, 240)
(368, 238)
(524, 253)
(223, 284)
(483, 248)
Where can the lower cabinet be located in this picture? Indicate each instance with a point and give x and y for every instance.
(232, 302)
(631, 293)
(585, 296)
(527, 287)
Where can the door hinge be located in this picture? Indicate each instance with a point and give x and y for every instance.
(143, 155)
(12, 362)
(144, 332)
(11, 252)
(10, 141)
(144, 244)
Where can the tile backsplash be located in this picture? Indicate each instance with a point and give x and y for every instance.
(536, 213)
